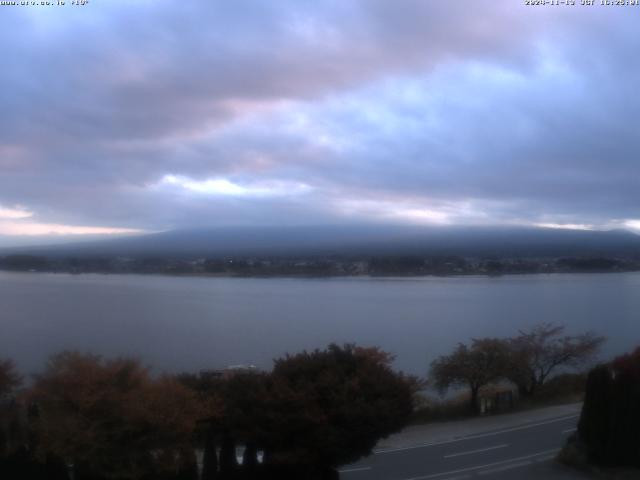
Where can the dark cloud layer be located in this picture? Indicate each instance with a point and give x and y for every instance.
(154, 115)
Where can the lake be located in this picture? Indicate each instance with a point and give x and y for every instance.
(191, 323)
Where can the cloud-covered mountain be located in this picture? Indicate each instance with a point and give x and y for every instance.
(358, 241)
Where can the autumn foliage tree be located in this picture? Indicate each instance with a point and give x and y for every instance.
(11, 432)
(473, 366)
(9, 377)
(111, 419)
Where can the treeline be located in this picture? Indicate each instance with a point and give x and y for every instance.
(527, 361)
(89, 418)
(390, 265)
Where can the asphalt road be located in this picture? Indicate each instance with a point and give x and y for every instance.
(523, 452)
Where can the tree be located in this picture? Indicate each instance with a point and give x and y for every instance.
(207, 385)
(595, 418)
(473, 366)
(245, 403)
(12, 429)
(537, 353)
(609, 424)
(330, 407)
(9, 377)
(111, 419)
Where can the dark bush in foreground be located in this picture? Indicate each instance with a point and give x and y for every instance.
(609, 425)
(330, 407)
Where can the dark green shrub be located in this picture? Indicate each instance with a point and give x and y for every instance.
(610, 422)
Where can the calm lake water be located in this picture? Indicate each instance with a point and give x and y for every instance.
(175, 323)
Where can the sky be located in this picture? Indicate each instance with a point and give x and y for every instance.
(124, 117)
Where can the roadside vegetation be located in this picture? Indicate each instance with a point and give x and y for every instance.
(536, 363)
(111, 419)
(90, 418)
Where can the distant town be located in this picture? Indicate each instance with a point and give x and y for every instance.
(390, 265)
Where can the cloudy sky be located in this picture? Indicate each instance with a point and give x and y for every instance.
(149, 115)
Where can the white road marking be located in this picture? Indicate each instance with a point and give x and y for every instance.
(505, 468)
(569, 430)
(470, 452)
(480, 467)
(545, 458)
(355, 469)
(459, 477)
(473, 437)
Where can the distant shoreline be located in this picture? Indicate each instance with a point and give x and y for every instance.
(407, 276)
(320, 266)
